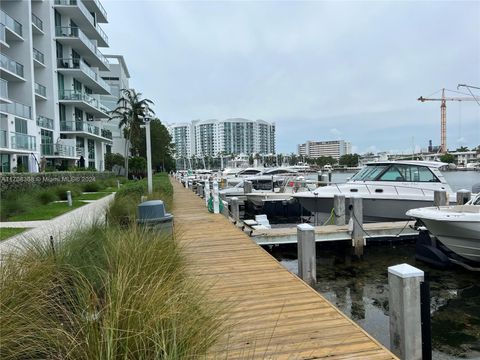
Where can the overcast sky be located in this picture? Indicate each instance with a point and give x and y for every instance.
(319, 70)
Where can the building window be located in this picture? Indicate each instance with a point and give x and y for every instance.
(62, 112)
(91, 150)
(21, 126)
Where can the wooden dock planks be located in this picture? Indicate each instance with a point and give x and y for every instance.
(272, 314)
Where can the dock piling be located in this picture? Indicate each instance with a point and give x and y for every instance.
(216, 202)
(307, 266)
(207, 192)
(247, 187)
(463, 196)
(200, 190)
(339, 209)
(356, 214)
(235, 209)
(405, 311)
(440, 198)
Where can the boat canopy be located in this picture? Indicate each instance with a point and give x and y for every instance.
(414, 171)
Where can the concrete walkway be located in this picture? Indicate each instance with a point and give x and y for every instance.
(58, 227)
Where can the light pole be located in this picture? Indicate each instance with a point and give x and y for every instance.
(146, 120)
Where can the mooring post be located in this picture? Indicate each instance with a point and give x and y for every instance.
(207, 191)
(356, 215)
(307, 266)
(69, 198)
(322, 179)
(339, 209)
(235, 209)
(216, 202)
(463, 196)
(405, 314)
(247, 187)
(200, 190)
(440, 198)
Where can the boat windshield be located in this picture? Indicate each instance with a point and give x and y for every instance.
(369, 173)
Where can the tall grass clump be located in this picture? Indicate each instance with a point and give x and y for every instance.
(104, 294)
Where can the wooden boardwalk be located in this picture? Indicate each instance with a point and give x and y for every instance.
(272, 314)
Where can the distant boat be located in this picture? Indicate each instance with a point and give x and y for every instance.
(388, 189)
(457, 227)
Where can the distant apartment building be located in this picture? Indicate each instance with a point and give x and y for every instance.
(230, 136)
(117, 78)
(315, 149)
(50, 84)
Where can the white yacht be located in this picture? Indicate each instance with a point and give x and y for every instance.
(389, 189)
(259, 183)
(457, 227)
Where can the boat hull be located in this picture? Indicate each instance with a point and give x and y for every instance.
(374, 210)
(461, 237)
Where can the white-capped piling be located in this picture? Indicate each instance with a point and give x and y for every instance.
(247, 187)
(356, 216)
(235, 209)
(405, 312)
(440, 198)
(339, 209)
(69, 198)
(216, 201)
(463, 196)
(200, 190)
(207, 192)
(307, 266)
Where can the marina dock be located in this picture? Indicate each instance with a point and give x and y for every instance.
(271, 313)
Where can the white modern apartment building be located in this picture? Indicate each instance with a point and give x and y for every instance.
(334, 148)
(229, 136)
(117, 78)
(50, 84)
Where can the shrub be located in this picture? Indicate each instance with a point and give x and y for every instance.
(47, 196)
(91, 187)
(16, 205)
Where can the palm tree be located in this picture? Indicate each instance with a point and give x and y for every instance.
(131, 109)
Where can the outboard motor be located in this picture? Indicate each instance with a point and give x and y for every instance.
(427, 251)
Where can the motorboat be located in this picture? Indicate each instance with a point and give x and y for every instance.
(457, 227)
(285, 193)
(259, 183)
(388, 189)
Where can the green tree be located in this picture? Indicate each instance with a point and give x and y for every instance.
(462, 149)
(447, 158)
(113, 159)
(325, 160)
(138, 166)
(131, 110)
(162, 146)
(349, 160)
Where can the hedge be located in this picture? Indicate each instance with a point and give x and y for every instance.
(25, 181)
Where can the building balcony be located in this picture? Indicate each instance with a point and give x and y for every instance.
(14, 28)
(17, 109)
(77, 11)
(76, 38)
(20, 141)
(96, 7)
(11, 70)
(84, 102)
(84, 128)
(39, 58)
(58, 151)
(3, 139)
(4, 92)
(45, 122)
(37, 25)
(40, 92)
(85, 74)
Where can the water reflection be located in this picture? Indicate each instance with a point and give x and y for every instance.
(360, 290)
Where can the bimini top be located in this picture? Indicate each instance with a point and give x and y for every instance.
(431, 164)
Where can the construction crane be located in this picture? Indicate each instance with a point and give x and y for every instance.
(443, 115)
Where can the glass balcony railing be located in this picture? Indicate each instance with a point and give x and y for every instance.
(74, 63)
(37, 21)
(57, 150)
(3, 138)
(102, 33)
(80, 96)
(11, 23)
(23, 141)
(79, 126)
(17, 109)
(40, 90)
(80, 152)
(45, 122)
(11, 65)
(68, 31)
(107, 134)
(102, 10)
(37, 55)
(2, 33)
(3, 89)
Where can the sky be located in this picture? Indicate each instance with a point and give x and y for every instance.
(321, 70)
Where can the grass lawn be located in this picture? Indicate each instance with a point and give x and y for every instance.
(93, 196)
(5, 233)
(46, 212)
